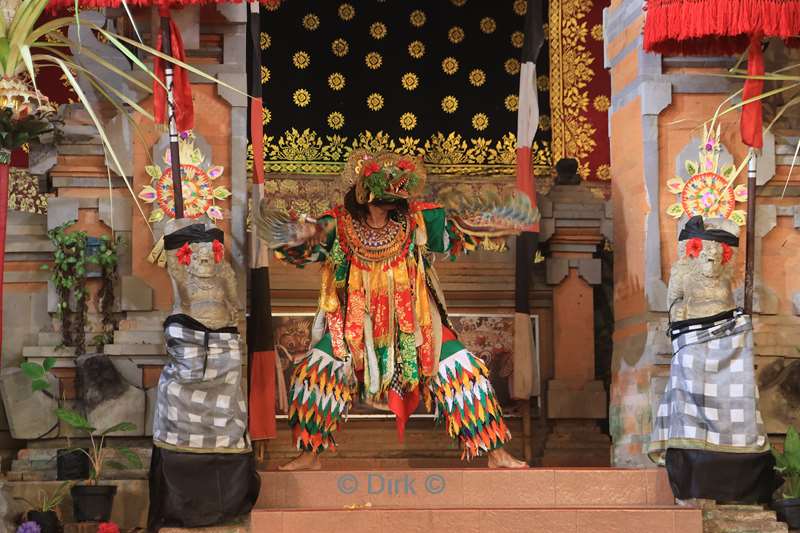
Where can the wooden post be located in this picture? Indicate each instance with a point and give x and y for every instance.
(750, 243)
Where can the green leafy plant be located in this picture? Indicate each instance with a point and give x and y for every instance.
(49, 502)
(787, 464)
(107, 259)
(38, 373)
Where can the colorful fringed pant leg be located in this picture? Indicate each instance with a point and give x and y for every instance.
(464, 399)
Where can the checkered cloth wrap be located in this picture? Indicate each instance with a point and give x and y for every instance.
(200, 406)
(711, 399)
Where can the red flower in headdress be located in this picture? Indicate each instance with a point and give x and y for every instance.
(108, 527)
(405, 164)
(219, 251)
(185, 254)
(694, 247)
(370, 168)
(727, 253)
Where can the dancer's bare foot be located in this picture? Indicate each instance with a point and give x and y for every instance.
(500, 458)
(304, 461)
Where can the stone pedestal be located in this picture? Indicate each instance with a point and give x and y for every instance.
(574, 223)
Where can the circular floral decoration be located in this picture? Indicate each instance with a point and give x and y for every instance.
(340, 47)
(601, 103)
(417, 18)
(416, 49)
(265, 40)
(458, 3)
(480, 121)
(597, 32)
(375, 102)
(450, 65)
(544, 122)
(272, 6)
(543, 82)
(301, 98)
(517, 39)
(456, 34)
(311, 22)
(410, 81)
(512, 66)
(521, 7)
(347, 12)
(477, 77)
(266, 116)
(512, 102)
(408, 121)
(378, 30)
(301, 59)
(604, 172)
(197, 177)
(336, 81)
(265, 74)
(373, 60)
(709, 191)
(449, 104)
(488, 25)
(336, 120)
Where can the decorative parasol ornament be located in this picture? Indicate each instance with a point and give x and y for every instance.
(197, 178)
(24, 113)
(709, 191)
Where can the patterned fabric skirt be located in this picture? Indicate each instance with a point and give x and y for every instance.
(708, 429)
(320, 397)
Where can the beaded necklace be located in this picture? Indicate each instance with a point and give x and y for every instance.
(365, 245)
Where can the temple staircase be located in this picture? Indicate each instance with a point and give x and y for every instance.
(573, 500)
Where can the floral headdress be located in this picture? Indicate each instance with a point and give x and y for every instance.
(384, 176)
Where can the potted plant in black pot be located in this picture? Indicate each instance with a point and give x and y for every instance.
(788, 466)
(44, 512)
(93, 502)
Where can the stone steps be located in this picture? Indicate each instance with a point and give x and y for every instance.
(741, 519)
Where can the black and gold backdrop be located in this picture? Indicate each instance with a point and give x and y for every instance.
(433, 78)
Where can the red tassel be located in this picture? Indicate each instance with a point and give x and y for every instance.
(751, 122)
(182, 91)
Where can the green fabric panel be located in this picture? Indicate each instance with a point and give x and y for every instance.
(435, 227)
(325, 344)
(449, 348)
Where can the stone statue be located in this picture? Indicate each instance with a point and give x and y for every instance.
(700, 281)
(567, 172)
(202, 287)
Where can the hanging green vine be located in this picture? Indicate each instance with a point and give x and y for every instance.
(107, 259)
(69, 278)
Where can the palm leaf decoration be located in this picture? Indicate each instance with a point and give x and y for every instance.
(489, 214)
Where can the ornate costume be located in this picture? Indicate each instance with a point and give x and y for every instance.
(382, 330)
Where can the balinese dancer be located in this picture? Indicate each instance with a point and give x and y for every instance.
(382, 330)
(708, 429)
(199, 434)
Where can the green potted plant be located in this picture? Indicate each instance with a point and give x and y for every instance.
(93, 502)
(788, 466)
(44, 511)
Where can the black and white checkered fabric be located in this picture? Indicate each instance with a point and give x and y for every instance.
(200, 405)
(711, 399)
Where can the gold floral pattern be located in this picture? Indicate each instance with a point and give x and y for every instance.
(416, 49)
(449, 104)
(301, 59)
(597, 32)
(265, 74)
(346, 12)
(266, 116)
(480, 121)
(311, 22)
(512, 66)
(375, 102)
(23, 193)
(512, 102)
(601, 103)
(456, 34)
(336, 81)
(272, 6)
(517, 39)
(604, 172)
(488, 25)
(335, 120)
(477, 77)
(450, 65)
(408, 121)
(378, 30)
(544, 122)
(265, 40)
(340, 47)
(417, 18)
(543, 83)
(458, 3)
(410, 81)
(301, 97)
(521, 7)
(373, 60)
